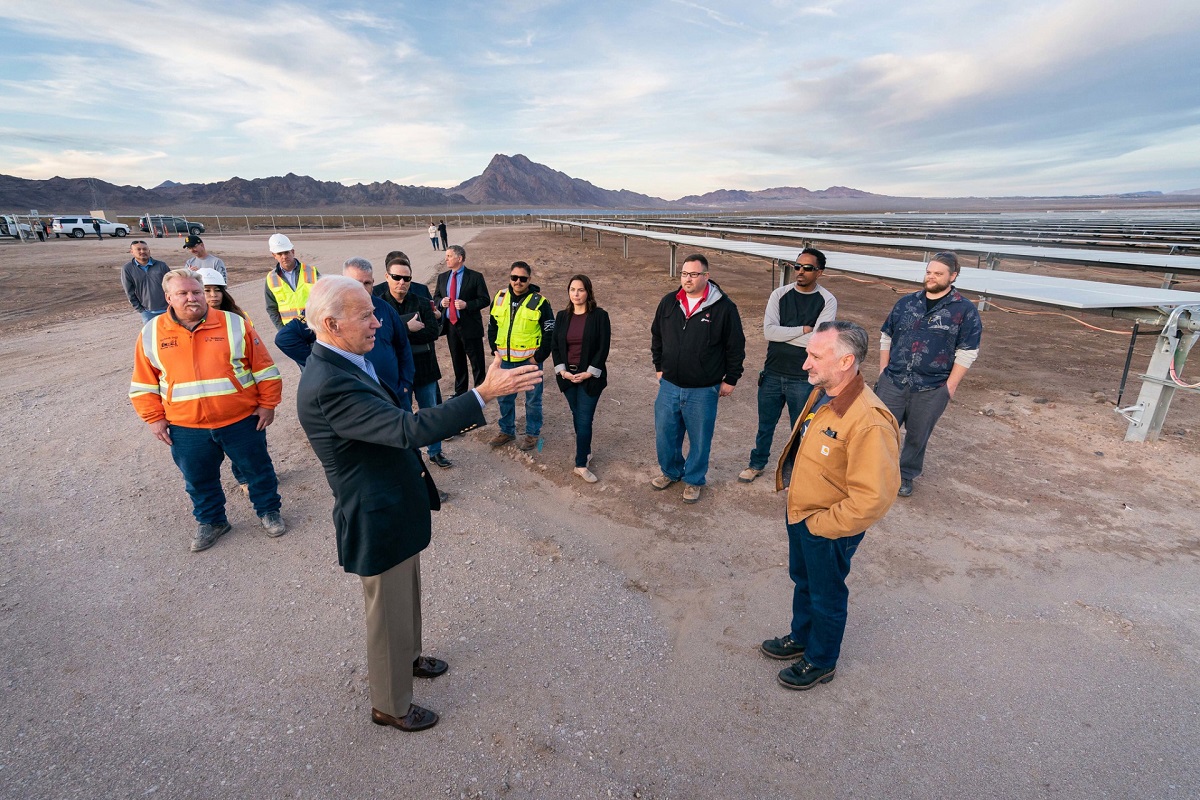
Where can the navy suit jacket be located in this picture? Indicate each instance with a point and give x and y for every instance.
(382, 490)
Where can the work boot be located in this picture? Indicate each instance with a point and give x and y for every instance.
(748, 475)
(906, 488)
(274, 524)
(207, 535)
(501, 439)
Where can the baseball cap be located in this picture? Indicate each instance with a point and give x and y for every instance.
(280, 243)
(191, 241)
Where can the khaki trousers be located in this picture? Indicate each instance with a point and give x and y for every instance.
(393, 605)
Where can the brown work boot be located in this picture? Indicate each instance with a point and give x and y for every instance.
(500, 439)
(528, 442)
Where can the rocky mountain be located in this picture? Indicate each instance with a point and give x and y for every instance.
(782, 196)
(517, 181)
(301, 191)
(65, 195)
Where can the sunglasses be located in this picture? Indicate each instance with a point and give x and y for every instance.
(519, 278)
(403, 278)
(806, 268)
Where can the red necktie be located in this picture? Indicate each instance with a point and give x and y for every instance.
(453, 298)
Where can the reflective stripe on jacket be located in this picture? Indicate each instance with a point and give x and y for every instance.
(211, 377)
(291, 301)
(518, 338)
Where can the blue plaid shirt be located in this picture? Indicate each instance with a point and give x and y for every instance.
(923, 344)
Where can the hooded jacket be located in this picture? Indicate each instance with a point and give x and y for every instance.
(700, 350)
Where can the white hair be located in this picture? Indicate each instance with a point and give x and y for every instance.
(328, 300)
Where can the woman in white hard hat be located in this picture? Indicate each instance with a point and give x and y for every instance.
(216, 293)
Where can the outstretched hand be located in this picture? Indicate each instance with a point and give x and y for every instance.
(500, 382)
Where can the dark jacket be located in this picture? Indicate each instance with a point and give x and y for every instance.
(597, 336)
(382, 491)
(422, 342)
(474, 293)
(143, 287)
(391, 356)
(707, 349)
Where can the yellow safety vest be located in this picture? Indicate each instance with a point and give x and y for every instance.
(517, 339)
(291, 301)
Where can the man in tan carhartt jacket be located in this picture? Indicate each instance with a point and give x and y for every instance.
(843, 459)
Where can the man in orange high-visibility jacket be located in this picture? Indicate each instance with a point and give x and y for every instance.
(206, 385)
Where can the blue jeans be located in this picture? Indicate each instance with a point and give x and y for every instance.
(149, 315)
(678, 411)
(198, 452)
(773, 392)
(533, 406)
(583, 410)
(819, 567)
(427, 398)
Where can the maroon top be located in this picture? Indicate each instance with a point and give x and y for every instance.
(575, 338)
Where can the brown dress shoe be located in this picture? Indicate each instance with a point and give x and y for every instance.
(417, 719)
(429, 667)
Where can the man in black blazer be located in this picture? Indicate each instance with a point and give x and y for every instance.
(383, 493)
(461, 321)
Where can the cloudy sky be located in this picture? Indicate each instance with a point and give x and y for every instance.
(665, 97)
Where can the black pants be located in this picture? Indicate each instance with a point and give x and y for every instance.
(463, 350)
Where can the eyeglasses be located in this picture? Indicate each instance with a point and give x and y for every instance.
(806, 268)
(519, 278)
(691, 274)
(403, 278)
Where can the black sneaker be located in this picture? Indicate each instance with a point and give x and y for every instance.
(784, 647)
(207, 535)
(906, 488)
(803, 675)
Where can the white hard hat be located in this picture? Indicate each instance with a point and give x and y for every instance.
(210, 277)
(280, 243)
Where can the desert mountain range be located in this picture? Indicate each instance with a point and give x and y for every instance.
(508, 181)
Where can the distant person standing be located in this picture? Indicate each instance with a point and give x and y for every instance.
(582, 336)
(520, 331)
(141, 277)
(462, 294)
(96, 228)
(201, 258)
(698, 348)
(443, 234)
(288, 284)
(433, 235)
(929, 341)
(793, 313)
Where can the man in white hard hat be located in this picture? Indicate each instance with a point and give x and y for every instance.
(288, 284)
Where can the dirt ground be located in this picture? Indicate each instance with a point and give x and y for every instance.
(1024, 626)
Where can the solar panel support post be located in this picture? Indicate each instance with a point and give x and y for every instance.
(597, 238)
(673, 268)
(1146, 417)
(1168, 280)
(626, 238)
(991, 262)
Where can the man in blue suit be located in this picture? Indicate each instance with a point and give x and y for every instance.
(383, 492)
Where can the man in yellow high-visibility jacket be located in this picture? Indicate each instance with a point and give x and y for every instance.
(288, 284)
(521, 331)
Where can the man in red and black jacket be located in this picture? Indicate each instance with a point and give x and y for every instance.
(698, 348)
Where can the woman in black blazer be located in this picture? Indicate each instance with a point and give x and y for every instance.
(581, 339)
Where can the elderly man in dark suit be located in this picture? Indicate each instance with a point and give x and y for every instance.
(463, 294)
(383, 493)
